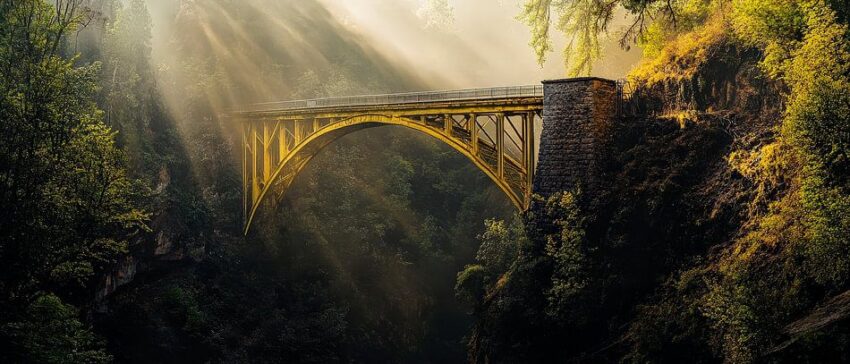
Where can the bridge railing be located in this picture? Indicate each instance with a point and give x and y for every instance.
(403, 98)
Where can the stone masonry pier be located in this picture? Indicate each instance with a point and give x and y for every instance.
(578, 120)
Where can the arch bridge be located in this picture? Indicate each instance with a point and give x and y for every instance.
(493, 127)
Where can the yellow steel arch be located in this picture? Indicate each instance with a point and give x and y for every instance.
(498, 137)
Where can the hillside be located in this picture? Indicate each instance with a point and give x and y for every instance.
(722, 231)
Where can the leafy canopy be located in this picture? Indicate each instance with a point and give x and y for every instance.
(67, 208)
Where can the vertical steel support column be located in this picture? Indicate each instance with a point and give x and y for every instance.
(255, 185)
(297, 128)
(281, 139)
(267, 155)
(528, 154)
(473, 133)
(447, 124)
(500, 145)
(245, 205)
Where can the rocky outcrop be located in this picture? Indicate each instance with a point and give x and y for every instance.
(121, 275)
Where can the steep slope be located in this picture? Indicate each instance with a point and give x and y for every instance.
(722, 234)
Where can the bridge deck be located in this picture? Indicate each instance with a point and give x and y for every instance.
(493, 127)
(471, 95)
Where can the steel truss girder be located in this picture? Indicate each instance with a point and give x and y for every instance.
(498, 137)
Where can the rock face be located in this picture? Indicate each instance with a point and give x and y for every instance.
(122, 274)
(578, 121)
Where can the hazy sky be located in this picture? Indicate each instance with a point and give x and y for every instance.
(484, 45)
(479, 43)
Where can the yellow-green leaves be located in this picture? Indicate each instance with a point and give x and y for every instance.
(582, 21)
(537, 15)
(763, 22)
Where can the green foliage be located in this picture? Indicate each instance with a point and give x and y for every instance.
(201, 313)
(809, 225)
(764, 22)
(792, 250)
(499, 247)
(68, 207)
(584, 284)
(818, 120)
(775, 26)
(528, 286)
(827, 224)
(125, 77)
(470, 285)
(537, 14)
(653, 24)
(671, 54)
(569, 252)
(585, 20)
(183, 306)
(582, 20)
(50, 332)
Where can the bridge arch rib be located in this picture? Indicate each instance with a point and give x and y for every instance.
(496, 135)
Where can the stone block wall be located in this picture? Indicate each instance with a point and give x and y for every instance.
(578, 122)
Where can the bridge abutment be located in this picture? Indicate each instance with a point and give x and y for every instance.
(578, 121)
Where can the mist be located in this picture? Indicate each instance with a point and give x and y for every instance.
(479, 44)
(473, 43)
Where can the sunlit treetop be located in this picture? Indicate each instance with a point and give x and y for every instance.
(584, 21)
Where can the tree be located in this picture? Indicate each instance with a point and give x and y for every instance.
(583, 22)
(68, 208)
